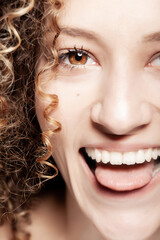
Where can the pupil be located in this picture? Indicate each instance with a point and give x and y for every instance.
(78, 56)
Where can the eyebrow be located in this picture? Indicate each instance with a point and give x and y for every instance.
(154, 37)
(78, 32)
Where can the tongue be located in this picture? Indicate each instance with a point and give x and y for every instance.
(123, 177)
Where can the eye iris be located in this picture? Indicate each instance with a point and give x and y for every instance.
(77, 58)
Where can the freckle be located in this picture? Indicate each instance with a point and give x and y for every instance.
(78, 94)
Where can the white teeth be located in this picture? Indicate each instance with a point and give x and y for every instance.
(115, 158)
(155, 154)
(105, 157)
(148, 155)
(98, 155)
(91, 153)
(128, 158)
(140, 156)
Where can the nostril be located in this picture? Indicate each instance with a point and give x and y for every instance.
(109, 133)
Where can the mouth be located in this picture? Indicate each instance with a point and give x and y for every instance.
(122, 171)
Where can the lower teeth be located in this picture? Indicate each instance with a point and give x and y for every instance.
(156, 168)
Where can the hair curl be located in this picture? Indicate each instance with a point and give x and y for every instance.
(23, 148)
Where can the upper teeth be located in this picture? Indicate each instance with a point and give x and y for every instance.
(128, 158)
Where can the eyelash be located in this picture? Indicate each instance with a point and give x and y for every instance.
(154, 58)
(65, 55)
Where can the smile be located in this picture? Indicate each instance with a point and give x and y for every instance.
(122, 171)
(119, 158)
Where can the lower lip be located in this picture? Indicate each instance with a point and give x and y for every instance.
(108, 193)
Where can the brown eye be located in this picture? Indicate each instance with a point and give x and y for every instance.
(77, 58)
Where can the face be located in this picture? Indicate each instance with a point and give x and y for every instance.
(108, 84)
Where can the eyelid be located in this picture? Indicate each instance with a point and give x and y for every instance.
(156, 55)
(64, 51)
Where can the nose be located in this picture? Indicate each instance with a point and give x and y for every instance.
(122, 107)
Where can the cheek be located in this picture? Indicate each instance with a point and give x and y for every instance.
(76, 96)
(73, 112)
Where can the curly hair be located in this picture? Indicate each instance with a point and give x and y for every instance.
(25, 152)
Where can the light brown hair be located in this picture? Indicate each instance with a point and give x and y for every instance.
(24, 152)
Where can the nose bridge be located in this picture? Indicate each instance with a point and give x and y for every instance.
(120, 97)
(121, 108)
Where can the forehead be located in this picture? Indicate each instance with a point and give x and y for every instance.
(121, 17)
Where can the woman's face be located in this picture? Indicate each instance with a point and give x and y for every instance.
(108, 84)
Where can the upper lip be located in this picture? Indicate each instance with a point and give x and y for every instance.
(118, 147)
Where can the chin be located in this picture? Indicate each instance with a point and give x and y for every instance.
(127, 226)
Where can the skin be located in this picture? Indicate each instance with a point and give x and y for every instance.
(112, 101)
